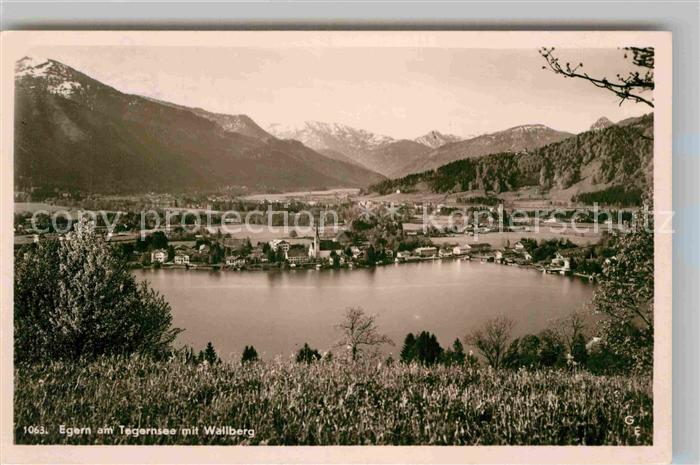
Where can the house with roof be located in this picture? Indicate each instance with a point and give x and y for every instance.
(159, 256)
(343, 238)
(235, 261)
(426, 252)
(181, 258)
(298, 256)
(560, 263)
(445, 253)
(276, 244)
(479, 247)
(460, 250)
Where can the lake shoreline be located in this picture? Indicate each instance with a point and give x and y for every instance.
(309, 267)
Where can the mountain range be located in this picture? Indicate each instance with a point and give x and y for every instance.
(611, 163)
(377, 152)
(72, 131)
(516, 139)
(396, 158)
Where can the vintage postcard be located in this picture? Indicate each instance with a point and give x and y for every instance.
(448, 242)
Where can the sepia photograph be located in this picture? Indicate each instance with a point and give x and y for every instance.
(363, 238)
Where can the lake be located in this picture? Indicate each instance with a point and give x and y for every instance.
(277, 311)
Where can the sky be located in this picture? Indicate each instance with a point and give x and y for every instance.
(402, 92)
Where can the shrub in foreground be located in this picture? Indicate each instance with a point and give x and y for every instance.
(76, 298)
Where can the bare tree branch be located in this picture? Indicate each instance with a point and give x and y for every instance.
(491, 339)
(626, 87)
(360, 332)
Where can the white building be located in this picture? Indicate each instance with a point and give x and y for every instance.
(235, 261)
(280, 244)
(445, 253)
(182, 259)
(426, 251)
(159, 256)
(460, 249)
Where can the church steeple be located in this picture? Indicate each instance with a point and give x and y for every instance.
(315, 249)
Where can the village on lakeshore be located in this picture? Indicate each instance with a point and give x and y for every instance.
(367, 233)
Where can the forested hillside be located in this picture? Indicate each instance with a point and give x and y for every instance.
(589, 162)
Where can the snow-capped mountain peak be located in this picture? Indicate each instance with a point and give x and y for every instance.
(320, 136)
(57, 78)
(435, 139)
(528, 128)
(32, 66)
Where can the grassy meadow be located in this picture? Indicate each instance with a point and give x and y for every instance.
(329, 403)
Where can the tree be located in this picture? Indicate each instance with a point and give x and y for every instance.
(625, 296)
(523, 352)
(408, 349)
(159, 240)
(209, 355)
(335, 258)
(552, 351)
(187, 355)
(571, 329)
(247, 247)
(454, 355)
(307, 355)
(216, 254)
(428, 350)
(371, 255)
(471, 361)
(423, 349)
(249, 354)
(360, 333)
(76, 298)
(491, 339)
(627, 87)
(579, 352)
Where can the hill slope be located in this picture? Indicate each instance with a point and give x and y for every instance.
(393, 158)
(72, 131)
(617, 156)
